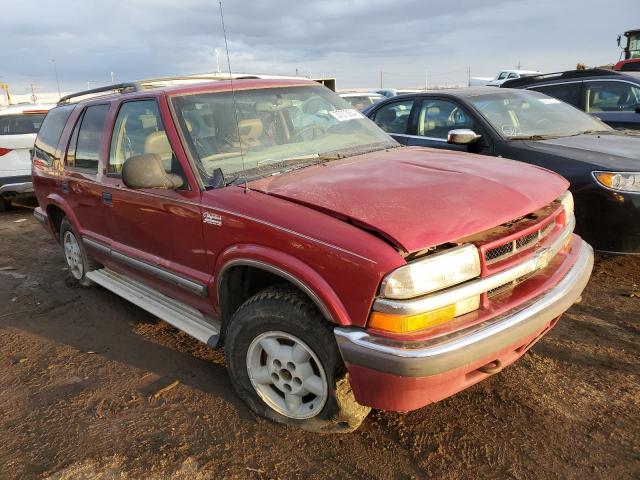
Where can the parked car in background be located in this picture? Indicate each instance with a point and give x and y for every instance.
(19, 125)
(360, 101)
(500, 78)
(392, 92)
(307, 243)
(613, 97)
(602, 164)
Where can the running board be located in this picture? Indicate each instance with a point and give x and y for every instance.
(175, 313)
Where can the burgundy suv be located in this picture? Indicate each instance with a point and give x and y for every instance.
(339, 271)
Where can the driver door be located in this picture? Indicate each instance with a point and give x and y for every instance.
(434, 119)
(157, 233)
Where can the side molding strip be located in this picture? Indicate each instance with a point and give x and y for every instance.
(159, 272)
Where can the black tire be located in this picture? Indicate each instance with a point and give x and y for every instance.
(88, 264)
(282, 308)
(5, 204)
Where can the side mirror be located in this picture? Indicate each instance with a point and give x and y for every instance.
(637, 108)
(462, 136)
(147, 171)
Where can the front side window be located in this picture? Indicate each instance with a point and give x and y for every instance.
(611, 97)
(527, 114)
(394, 117)
(567, 92)
(438, 117)
(84, 146)
(503, 75)
(139, 130)
(276, 129)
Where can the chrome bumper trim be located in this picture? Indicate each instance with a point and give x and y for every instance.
(458, 349)
(22, 187)
(433, 301)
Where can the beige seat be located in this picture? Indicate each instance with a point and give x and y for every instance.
(250, 131)
(158, 143)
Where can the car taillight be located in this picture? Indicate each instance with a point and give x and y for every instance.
(4, 151)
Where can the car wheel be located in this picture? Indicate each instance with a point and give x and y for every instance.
(78, 261)
(4, 204)
(284, 363)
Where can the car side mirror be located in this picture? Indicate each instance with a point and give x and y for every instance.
(637, 108)
(147, 171)
(462, 136)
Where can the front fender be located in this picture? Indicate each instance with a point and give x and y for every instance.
(289, 268)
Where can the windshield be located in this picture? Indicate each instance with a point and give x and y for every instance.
(362, 101)
(525, 114)
(276, 126)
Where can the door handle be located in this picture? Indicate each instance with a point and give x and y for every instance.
(65, 186)
(106, 199)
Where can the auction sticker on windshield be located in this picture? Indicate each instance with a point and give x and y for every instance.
(549, 101)
(346, 114)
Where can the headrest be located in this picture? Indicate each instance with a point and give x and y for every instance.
(279, 104)
(388, 116)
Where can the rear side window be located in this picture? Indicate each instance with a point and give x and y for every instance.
(84, 147)
(567, 92)
(50, 131)
(21, 124)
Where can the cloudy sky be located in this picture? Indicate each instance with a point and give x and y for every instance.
(352, 40)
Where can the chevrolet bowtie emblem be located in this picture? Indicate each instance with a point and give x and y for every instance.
(542, 258)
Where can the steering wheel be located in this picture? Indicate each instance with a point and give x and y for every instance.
(457, 117)
(312, 127)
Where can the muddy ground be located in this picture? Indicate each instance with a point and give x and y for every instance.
(83, 376)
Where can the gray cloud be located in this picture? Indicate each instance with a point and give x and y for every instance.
(352, 40)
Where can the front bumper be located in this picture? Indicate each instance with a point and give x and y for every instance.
(461, 352)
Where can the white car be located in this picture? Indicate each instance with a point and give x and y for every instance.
(19, 125)
(360, 101)
(502, 77)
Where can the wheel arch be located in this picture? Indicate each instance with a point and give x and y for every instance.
(57, 208)
(271, 266)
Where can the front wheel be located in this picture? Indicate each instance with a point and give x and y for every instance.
(284, 363)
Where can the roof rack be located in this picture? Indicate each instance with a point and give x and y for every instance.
(118, 87)
(140, 85)
(591, 72)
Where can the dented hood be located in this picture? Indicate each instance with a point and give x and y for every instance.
(419, 197)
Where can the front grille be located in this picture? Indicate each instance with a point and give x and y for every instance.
(496, 292)
(508, 249)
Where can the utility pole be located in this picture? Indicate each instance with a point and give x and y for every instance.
(519, 67)
(55, 69)
(34, 97)
(380, 78)
(217, 53)
(426, 80)
(113, 78)
(469, 75)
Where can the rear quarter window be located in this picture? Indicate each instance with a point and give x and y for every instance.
(50, 131)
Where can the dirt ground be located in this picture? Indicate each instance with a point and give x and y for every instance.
(83, 377)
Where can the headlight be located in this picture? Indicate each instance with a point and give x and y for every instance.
(432, 273)
(567, 202)
(619, 181)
